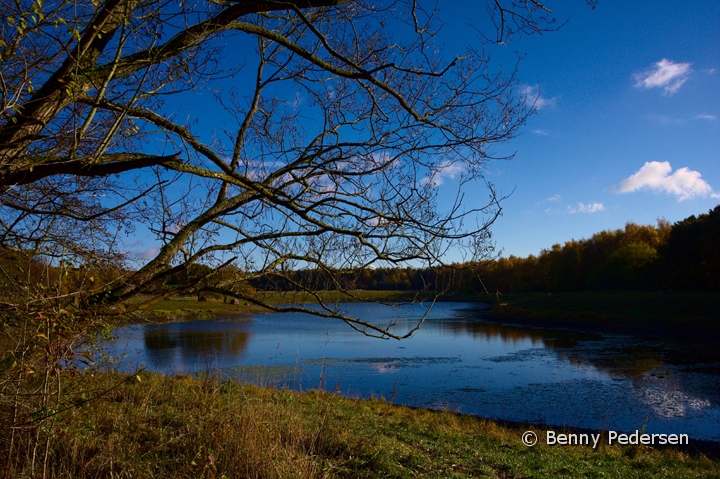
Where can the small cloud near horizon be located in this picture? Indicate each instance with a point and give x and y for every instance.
(706, 116)
(665, 74)
(532, 95)
(656, 176)
(583, 208)
(554, 198)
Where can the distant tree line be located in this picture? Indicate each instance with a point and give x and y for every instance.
(680, 256)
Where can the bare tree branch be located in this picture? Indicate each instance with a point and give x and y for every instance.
(108, 164)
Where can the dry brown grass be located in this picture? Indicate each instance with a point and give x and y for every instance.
(152, 426)
(183, 427)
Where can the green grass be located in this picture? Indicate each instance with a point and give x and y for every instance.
(699, 310)
(155, 426)
(188, 307)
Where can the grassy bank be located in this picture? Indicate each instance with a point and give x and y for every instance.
(153, 426)
(180, 308)
(695, 313)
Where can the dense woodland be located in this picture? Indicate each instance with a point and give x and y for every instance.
(680, 256)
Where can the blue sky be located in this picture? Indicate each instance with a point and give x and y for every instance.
(628, 120)
(627, 125)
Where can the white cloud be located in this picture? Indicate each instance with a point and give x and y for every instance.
(541, 132)
(556, 198)
(588, 208)
(656, 176)
(377, 221)
(707, 117)
(373, 222)
(532, 95)
(445, 170)
(147, 254)
(665, 74)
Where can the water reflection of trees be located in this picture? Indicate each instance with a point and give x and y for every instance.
(514, 334)
(671, 378)
(178, 346)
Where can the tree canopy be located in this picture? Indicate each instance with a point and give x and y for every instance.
(679, 256)
(270, 135)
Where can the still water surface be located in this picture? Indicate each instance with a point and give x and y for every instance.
(456, 361)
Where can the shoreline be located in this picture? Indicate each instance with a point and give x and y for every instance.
(152, 425)
(707, 447)
(644, 331)
(383, 420)
(704, 446)
(683, 328)
(189, 309)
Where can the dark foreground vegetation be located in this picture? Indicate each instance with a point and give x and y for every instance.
(176, 427)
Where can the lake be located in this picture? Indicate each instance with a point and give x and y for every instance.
(456, 361)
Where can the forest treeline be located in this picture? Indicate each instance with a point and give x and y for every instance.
(680, 256)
